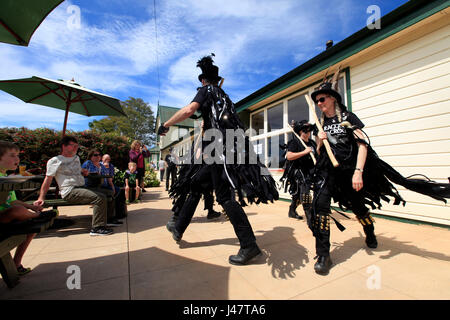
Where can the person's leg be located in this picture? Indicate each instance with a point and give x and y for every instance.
(209, 205)
(364, 218)
(293, 207)
(168, 171)
(127, 195)
(241, 225)
(98, 201)
(17, 213)
(184, 216)
(111, 208)
(138, 193)
(20, 251)
(321, 229)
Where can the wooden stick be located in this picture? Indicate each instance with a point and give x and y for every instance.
(303, 143)
(319, 126)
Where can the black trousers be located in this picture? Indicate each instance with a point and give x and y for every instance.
(171, 171)
(321, 216)
(223, 191)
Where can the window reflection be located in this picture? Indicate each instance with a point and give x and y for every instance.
(258, 122)
(274, 152)
(275, 118)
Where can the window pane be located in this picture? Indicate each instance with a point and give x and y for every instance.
(298, 109)
(275, 118)
(260, 146)
(258, 122)
(274, 151)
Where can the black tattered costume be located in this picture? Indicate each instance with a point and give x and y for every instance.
(235, 173)
(336, 182)
(297, 176)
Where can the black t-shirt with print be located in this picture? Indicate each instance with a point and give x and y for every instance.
(304, 162)
(338, 136)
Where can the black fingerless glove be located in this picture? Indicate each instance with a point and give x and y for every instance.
(162, 130)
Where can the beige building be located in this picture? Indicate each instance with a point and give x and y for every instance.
(396, 79)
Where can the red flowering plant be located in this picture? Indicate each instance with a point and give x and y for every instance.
(39, 145)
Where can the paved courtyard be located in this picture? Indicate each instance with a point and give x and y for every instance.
(141, 260)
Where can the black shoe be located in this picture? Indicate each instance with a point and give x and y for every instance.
(323, 265)
(171, 222)
(175, 234)
(143, 190)
(244, 255)
(213, 214)
(371, 241)
(293, 214)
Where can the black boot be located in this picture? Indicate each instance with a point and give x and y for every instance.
(293, 213)
(245, 255)
(323, 265)
(175, 234)
(371, 240)
(172, 221)
(213, 214)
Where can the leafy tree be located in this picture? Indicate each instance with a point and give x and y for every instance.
(140, 124)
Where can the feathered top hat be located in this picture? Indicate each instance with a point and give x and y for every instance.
(209, 71)
(330, 88)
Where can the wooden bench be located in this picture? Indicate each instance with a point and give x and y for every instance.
(11, 236)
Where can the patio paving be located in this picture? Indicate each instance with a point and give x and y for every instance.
(142, 261)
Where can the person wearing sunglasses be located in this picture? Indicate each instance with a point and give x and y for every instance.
(95, 168)
(345, 180)
(299, 167)
(361, 180)
(66, 170)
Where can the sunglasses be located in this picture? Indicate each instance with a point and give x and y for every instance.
(96, 155)
(321, 99)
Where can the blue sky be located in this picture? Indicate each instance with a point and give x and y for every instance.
(115, 50)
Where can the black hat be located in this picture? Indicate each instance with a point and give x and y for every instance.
(329, 88)
(209, 71)
(302, 125)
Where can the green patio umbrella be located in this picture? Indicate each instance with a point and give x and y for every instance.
(20, 18)
(62, 94)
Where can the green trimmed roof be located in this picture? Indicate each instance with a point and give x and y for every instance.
(165, 113)
(393, 22)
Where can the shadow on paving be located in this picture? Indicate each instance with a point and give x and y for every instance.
(107, 277)
(390, 245)
(282, 265)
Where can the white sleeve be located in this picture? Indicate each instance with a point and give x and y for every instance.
(52, 166)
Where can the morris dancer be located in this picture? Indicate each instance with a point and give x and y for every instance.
(227, 176)
(299, 168)
(360, 178)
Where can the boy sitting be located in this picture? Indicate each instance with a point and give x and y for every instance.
(13, 209)
(131, 181)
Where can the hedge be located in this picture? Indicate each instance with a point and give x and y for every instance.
(39, 145)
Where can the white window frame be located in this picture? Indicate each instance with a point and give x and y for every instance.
(285, 129)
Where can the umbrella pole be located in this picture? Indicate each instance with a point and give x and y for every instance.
(65, 118)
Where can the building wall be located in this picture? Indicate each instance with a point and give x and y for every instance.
(403, 98)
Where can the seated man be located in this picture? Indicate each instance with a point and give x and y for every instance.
(67, 171)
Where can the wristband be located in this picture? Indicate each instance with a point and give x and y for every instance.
(358, 169)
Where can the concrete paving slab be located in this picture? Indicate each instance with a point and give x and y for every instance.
(142, 261)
